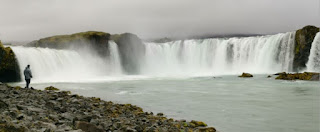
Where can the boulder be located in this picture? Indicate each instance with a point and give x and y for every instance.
(11, 128)
(9, 67)
(303, 40)
(198, 123)
(3, 106)
(51, 88)
(246, 75)
(87, 127)
(206, 129)
(132, 51)
(311, 76)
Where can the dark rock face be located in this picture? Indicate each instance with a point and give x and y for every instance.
(91, 39)
(9, 67)
(303, 40)
(132, 51)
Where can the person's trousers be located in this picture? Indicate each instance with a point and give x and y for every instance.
(28, 82)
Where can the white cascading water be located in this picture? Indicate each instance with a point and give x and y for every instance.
(263, 54)
(257, 55)
(52, 65)
(313, 64)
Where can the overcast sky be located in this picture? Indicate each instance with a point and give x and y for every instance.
(25, 20)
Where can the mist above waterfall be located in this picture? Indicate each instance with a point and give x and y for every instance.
(34, 19)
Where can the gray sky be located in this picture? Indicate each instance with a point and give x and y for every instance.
(25, 20)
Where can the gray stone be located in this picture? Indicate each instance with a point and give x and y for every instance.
(87, 127)
(3, 106)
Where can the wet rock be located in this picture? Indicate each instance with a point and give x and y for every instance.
(51, 88)
(311, 76)
(199, 123)
(204, 129)
(246, 75)
(160, 114)
(279, 73)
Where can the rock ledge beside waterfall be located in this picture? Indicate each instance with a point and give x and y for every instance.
(9, 67)
(24, 110)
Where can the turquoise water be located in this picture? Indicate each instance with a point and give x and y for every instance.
(229, 103)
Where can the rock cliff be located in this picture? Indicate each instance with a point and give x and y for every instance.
(9, 67)
(303, 40)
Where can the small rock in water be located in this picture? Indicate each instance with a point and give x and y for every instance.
(160, 114)
(51, 88)
(246, 75)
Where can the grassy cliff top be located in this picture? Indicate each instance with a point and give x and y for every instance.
(76, 36)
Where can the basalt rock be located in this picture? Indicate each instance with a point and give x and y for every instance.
(303, 41)
(9, 67)
(132, 51)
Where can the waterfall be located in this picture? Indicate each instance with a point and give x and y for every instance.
(313, 64)
(262, 54)
(217, 56)
(50, 65)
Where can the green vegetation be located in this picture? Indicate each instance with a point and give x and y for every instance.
(65, 41)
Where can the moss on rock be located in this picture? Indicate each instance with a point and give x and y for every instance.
(303, 40)
(198, 123)
(311, 76)
(96, 40)
(246, 75)
(9, 67)
(51, 88)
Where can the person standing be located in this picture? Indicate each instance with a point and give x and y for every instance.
(27, 75)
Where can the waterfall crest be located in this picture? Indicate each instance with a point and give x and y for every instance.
(263, 54)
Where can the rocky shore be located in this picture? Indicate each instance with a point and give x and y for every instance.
(51, 110)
